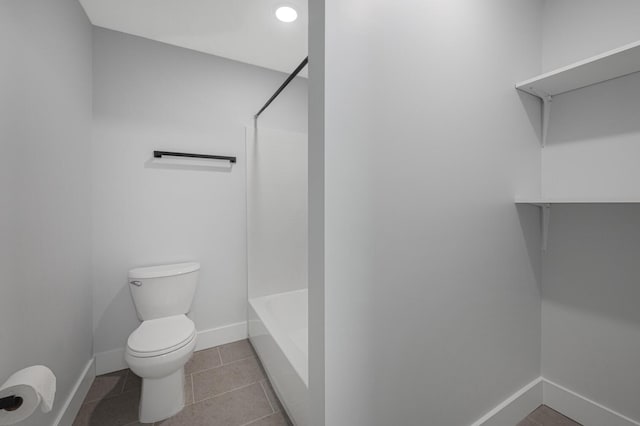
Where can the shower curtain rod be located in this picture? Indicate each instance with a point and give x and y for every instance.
(285, 84)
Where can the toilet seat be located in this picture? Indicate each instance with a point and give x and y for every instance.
(161, 336)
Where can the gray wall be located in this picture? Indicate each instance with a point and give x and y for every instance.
(593, 132)
(577, 29)
(432, 304)
(149, 95)
(316, 210)
(45, 221)
(277, 213)
(591, 323)
(590, 315)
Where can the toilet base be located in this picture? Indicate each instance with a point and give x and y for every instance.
(162, 398)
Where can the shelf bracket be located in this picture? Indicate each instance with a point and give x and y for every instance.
(546, 115)
(546, 217)
(546, 111)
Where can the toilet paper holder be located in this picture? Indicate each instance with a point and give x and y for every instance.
(10, 403)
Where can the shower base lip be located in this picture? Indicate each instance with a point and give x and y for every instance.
(278, 330)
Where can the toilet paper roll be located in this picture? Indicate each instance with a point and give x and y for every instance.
(36, 386)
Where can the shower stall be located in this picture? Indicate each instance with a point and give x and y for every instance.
(277, 218)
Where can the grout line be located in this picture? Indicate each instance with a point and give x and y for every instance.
(239, 359)
(225, 392)
(208, 368)
(193, 391)
(253, 353)
(257, 420)
(105, 397)
(224, 365)
(124, 382)
(267, 396)
(219, 355)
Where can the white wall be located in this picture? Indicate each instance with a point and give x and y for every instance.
(277, 213)
(432, 304)
(592, 145)
(577, 29)
(590, 316)
(591, 327)
(45, 222)
(148, 95)
(316, 196)
(592, 140)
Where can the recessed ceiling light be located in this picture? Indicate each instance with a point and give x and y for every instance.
(286, 14)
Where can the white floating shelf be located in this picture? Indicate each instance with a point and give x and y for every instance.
(545, 206)
(549, 201)
(606, 66)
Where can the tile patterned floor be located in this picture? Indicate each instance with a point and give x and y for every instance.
(545, 416)
(224, 386)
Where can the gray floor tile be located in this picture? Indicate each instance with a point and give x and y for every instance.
(236, 350)
(277, 419)
(234, 408)
(528, 422)
(132, 382)
(227, 377)
(546, 416)
(203, 360)
(235, 393)
(120, 410)
(271, 396)
(107, 386)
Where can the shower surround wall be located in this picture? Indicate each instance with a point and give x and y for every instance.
(431, 297)
(149, 95)
(277, 211)
(277, 224)
(590, 315)
(45, 219)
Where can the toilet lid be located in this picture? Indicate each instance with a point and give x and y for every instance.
(161, 336)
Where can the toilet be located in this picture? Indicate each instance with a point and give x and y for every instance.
(160, 347)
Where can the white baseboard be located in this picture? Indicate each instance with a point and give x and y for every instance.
(580, 408)
(221, 335)
(109, 361)
(515, 408)
(542, 391)
(71, 406)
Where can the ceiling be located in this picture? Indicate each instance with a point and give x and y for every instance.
(243, 30)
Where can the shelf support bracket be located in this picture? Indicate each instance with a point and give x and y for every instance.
(546, 111)
(546, 115)
(546, 217)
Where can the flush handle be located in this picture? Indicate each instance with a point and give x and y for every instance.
(136, 283)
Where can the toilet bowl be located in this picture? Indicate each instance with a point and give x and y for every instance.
(165, 340)
(157, 351)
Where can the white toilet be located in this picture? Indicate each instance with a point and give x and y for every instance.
(160, 347)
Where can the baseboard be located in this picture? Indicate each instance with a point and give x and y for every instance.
(515, 408)
(581, 409)
(221, 335)
(71, 406)
(542, 391)
(109, 361)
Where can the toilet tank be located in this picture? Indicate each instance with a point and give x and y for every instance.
(163, 290)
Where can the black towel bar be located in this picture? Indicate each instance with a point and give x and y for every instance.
(160, 154)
